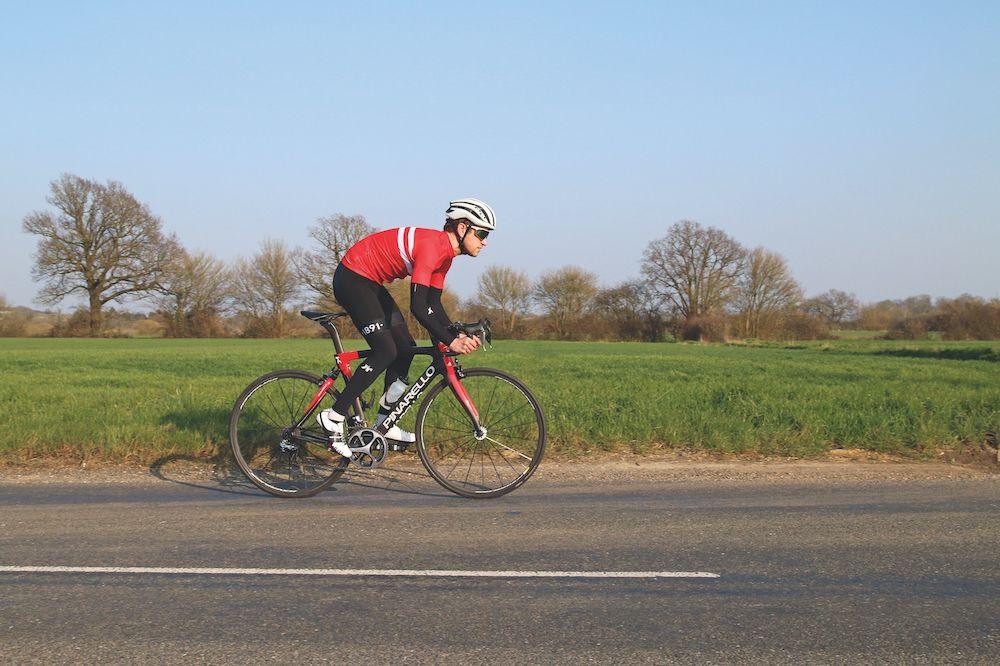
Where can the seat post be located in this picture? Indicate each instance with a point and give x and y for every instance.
(338, 346)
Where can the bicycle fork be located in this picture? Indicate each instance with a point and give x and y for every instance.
(462, 395)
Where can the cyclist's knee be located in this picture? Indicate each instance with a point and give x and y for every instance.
(384, 349)
(403, 340)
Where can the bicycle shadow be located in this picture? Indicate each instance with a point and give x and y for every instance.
(208, 470)
(402, 478)
(219, 473)
(215, 473)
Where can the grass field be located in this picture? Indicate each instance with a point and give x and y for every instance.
(141, 400)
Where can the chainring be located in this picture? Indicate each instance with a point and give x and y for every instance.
(369, 448)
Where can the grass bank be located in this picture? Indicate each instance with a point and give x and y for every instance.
(140, 400)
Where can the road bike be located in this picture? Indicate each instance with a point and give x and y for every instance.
(480, 432)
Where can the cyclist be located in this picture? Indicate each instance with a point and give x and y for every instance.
(425, 255)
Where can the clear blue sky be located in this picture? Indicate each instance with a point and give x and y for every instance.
(861, 140)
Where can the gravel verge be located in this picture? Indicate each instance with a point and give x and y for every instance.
(838, 465)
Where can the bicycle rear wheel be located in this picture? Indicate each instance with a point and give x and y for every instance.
(274, 455)
(493, 463)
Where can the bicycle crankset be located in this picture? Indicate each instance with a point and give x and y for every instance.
(368, 446)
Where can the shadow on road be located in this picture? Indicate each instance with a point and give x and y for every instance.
(220, 474)
(405, 480)
(216, 473)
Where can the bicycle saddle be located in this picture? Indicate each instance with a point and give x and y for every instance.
(322, 316)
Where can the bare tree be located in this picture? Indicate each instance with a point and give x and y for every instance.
(967, 317)
(193, 293)
(835, 307)
(335, 235)
(766, 289)
(632, 311)
(507, 293)
(565, 295)
(100, 242)
(265, 287)
(694, 268)
(885, 313)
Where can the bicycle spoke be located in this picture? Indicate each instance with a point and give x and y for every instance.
(502, 445)
(447, 454)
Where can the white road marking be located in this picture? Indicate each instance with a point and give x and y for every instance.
(424, 573)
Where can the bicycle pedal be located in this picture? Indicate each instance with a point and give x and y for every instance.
(397, 446)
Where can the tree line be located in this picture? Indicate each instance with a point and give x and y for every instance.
(696, 283)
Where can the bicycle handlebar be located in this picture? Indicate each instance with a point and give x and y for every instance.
(482, 328)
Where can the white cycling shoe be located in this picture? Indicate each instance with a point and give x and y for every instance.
(335, 427)
(398, 434)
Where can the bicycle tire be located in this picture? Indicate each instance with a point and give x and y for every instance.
(485, 467)
(274, 456)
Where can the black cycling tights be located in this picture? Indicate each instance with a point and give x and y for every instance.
(380, 321)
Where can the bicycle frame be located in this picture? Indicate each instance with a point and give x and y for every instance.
(440, 356)
(278, 445)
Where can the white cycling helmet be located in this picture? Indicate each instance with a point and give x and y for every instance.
(473, 211)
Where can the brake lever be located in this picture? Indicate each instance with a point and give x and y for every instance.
(487, 330)
(480, 329)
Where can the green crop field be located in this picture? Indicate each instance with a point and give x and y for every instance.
(143, 399)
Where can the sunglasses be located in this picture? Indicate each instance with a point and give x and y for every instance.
(481, 234)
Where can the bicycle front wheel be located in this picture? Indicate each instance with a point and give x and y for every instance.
(274, 454)
(485, 464)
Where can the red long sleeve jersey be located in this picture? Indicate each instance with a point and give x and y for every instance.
(423, 254)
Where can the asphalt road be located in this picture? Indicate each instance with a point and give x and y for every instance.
(867, 570)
